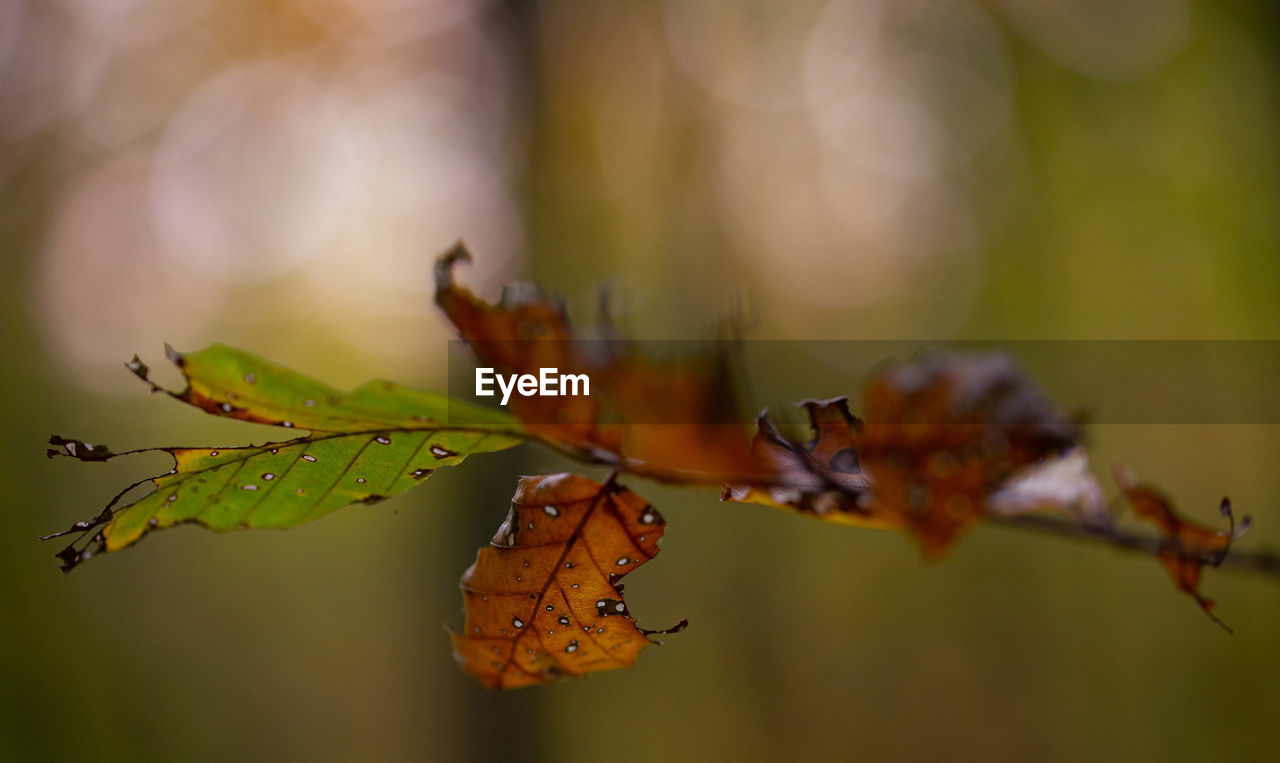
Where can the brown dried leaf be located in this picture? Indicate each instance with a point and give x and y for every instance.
(822, 478)
(675, 421)
(941, 435)
(542, 599)
(1187, 545)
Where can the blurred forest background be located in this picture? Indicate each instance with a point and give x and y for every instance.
(280, 175)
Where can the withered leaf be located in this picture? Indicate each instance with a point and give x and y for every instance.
(823, 477)
(543, 599)
(1187, 545)
(675, 421)
(944, 432)
(941, 434)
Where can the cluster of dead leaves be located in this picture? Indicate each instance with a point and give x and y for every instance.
(942, 443)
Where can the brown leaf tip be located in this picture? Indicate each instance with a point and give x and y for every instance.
(138, 368)
(684, 623)
(78, 449)
(813, 406)
(70, 557)
(444, 265)
(1186, 546)
(174, 356)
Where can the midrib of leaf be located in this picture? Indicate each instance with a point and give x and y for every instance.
(274, 504)
(554, 578)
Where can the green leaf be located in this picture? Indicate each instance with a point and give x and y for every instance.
(364, 446)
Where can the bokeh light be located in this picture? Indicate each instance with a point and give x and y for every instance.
(279, 175)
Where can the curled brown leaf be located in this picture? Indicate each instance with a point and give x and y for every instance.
(675, 420)
(1187, 545)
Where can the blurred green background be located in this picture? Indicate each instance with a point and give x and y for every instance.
(279, 175)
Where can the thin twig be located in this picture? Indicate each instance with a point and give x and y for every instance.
(1251, 560)
(1258, 561)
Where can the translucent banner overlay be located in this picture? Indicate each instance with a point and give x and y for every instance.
(676, 382)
